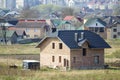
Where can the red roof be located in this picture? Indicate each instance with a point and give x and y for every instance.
(12, 28)
(31, 20)
(68, 17)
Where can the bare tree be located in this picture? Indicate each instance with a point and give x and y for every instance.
(116, 10)
(67, 11)
(29, 13)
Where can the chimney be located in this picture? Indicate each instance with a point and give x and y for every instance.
(76, 37)
(82, 35)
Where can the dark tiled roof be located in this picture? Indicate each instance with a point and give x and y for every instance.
(95, 41)
(68, 37)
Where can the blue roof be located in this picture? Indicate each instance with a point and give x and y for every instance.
(68, 37)
(95, 41)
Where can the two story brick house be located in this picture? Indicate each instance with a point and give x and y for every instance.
(33, 28)
(73, 49)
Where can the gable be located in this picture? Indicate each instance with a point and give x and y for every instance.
(95, 22)
(46, 43)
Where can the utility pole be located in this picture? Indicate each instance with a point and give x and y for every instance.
(3, 28)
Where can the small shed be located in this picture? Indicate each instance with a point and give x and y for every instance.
(31, 64)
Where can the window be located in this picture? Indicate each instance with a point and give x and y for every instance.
(119, 33)
(59, 59)
(35, 36)
(64, 62)
(1, 40)
(101, 29)
(53, 58)
(27, 30)
(60, 45)
(114, 36)
(84, 51)
(74, 59)
(53, 45)
(114, 30)
(96, 59)
(96, 24)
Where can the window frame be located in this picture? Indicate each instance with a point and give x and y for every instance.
(74, 59)
(60, 46)
(53, 58)
(96, 59)
(84, 51)
(114, 30)
(53, 45)
(60, 59)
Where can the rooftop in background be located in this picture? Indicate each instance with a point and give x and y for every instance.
(30, 23)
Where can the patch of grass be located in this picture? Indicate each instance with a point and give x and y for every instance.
(19, 49)
(70, 75)
(114, 51)
(115, 54)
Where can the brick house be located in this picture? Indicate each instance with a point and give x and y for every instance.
(73, 49)
(33, 28)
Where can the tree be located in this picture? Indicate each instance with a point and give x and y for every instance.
(46, 10)
(116, 10)
(30, 13)
(67, 11)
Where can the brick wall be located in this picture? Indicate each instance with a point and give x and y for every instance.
(47, 52)
(67, 55)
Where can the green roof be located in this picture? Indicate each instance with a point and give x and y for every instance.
(9, 33)
(56, 22)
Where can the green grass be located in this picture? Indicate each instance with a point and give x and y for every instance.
(50, 74)
(114, 51)
(19, 49)
(61, 75)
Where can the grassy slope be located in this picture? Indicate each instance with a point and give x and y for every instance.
(19, 49)
(113, 52)
(18, 74)
(61, 75)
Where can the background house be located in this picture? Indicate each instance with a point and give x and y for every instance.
(74, 49)
(10, 37)
(113, 24)
(21, 33)
(74, 21)
(96, 25)
(33, 28)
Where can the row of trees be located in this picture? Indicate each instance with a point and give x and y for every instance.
(43, 11)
